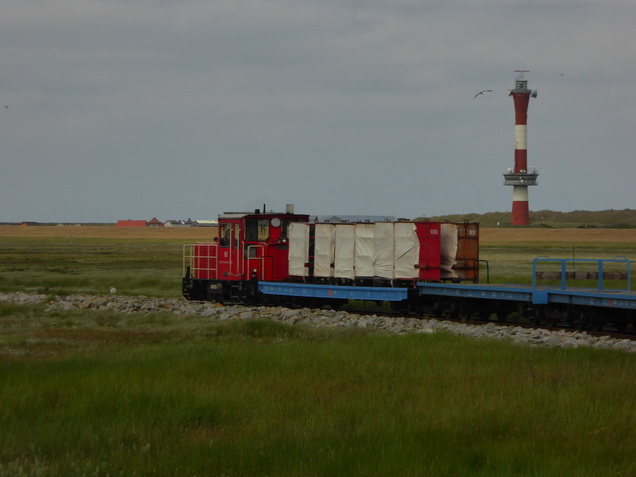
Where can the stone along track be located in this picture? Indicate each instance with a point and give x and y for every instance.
(328, 318)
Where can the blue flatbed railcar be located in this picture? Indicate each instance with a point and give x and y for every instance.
(586, 307)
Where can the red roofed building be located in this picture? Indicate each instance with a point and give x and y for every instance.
(155, 222)
(131, 223)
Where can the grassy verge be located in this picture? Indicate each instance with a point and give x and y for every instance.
(97, 393)
(133, 267)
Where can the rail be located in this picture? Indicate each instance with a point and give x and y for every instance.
(600, 274)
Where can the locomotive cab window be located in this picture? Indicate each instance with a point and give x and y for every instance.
(256, 230)
(285, 226)
(224, 235)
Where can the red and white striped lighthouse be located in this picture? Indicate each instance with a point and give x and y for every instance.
(521, 177)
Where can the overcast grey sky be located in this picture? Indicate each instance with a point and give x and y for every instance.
(175, 109)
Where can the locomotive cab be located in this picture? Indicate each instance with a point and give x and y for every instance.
(249, 247)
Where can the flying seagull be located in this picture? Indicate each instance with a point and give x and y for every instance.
(482, 92)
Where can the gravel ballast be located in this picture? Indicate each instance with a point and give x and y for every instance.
(329, 318)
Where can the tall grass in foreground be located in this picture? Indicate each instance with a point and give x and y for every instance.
(261, 398)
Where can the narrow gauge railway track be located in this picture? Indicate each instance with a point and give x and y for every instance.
(506, 305)
(517, 330)
(615, 334)
(380, 320)
(509, 321)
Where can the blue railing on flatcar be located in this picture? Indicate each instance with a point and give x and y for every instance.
(600, 274)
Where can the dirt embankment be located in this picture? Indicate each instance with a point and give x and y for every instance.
(488, 236)
(110, 232)
(494, 236)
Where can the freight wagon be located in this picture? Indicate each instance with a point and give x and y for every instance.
(417, 266)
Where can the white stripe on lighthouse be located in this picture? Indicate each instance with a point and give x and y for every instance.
(521, 136)
(520, 193)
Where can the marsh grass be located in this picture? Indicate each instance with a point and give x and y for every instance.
(147, 266)
(99, 393)
(133, 267)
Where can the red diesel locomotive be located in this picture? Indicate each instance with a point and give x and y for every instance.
(288, 247)
(288, 259)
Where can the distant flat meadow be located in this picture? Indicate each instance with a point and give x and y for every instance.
(488, 236)
(154, 253)
(108, 231)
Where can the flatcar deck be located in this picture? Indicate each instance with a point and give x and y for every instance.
(310, 290)
(535, 295)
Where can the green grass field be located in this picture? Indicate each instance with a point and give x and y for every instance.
(96, 393)
(101, 393)
(134, 267)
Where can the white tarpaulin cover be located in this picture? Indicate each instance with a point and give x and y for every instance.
(345, 251)
(364, 250)
(407, 250)
(298, 235)
(388, 250)
(448, 250)
(324, 250)
(383, 245)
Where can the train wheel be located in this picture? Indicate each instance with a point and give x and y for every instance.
(620, 326)
(573, 319)
(582, 323)
(595, 322)
(537, 317)
(588, 321)
(454, 310)
(438, 309)
(485, 315)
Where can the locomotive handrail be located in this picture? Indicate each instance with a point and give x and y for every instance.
(188, 258)
(261, 259)
(487, 269)
(239, 245)
(185, 256)
(189, 261)
(600, 273)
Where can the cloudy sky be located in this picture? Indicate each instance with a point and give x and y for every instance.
(129, 109)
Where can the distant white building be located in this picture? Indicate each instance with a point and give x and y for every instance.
(190, 223)
(205, 223)
(176, 223)
(336, 219)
